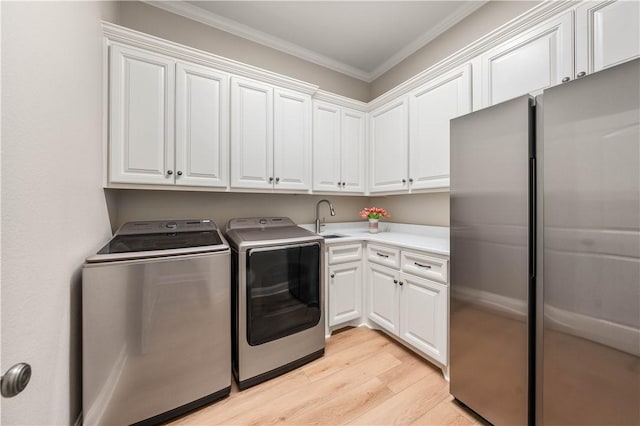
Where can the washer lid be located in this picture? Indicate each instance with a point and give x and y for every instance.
(166, 241)
(137, 240)
(270, 230)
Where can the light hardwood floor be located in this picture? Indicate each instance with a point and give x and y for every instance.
(365, 378)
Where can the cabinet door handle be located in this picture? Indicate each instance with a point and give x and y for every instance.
(344, 183)
(179, 173)
(333, 275)
(169, 172)
(410, 180)
(395, 281)
(339, 184)
(270, 179)
(401, 283)
(581, 74)
(421, 265)
(564, 80)
(277, 179)
(404, 181)
(382, 255)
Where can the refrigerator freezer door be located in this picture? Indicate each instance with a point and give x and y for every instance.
(490, 261)
(591, 250)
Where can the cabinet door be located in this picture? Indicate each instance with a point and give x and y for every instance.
(607, 33)
(141, 112)
(292, 140)
(345, 292)
(383, 297)
(431, 108)
(539, 58)
(251, 134)
(202, 129)
(352, 167)
(389, 144)
(326, 147)
(424, 312)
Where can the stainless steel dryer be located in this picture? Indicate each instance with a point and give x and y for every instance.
(277, 318)
(156, 329)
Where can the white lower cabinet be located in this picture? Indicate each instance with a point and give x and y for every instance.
(423, 315)
(345, 292)
(413, 308)
(383, 297)
(344, 283)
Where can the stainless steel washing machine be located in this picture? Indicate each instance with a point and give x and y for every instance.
(277, 297)
(156, 328)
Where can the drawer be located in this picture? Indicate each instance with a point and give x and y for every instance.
(433, 268)
(383, 255)
(344, 253)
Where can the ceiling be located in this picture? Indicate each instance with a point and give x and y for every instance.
(362, 39)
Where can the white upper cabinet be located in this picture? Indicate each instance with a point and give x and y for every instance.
(251, 134)
(432, 106)
(292, 140)
(539, 58)
(338, 148)
(202, 126)
(388, 146)
(607, 34)
(326, 146)
(352, 164)
(141, 117)
(270, 137)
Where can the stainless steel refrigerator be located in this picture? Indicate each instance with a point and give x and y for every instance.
(545, 255)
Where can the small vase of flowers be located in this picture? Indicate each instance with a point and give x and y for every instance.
(374, 214)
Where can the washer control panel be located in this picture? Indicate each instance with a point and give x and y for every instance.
(163, 226)
(259, 222)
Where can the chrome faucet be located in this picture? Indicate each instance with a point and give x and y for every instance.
(331, 210)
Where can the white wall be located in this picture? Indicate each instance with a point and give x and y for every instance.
(54, 212)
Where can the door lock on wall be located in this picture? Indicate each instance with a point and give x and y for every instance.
(15, 380)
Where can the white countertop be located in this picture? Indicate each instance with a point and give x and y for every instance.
(434, 239)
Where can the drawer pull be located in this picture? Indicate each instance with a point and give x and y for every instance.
(382, 255)
(421, 265)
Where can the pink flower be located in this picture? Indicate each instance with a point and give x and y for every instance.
(373, 213)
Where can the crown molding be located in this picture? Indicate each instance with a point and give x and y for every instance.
(233, 27)
(458, 15)
(323, 95)
(118, 34)
(536, 15)
(527, 20)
